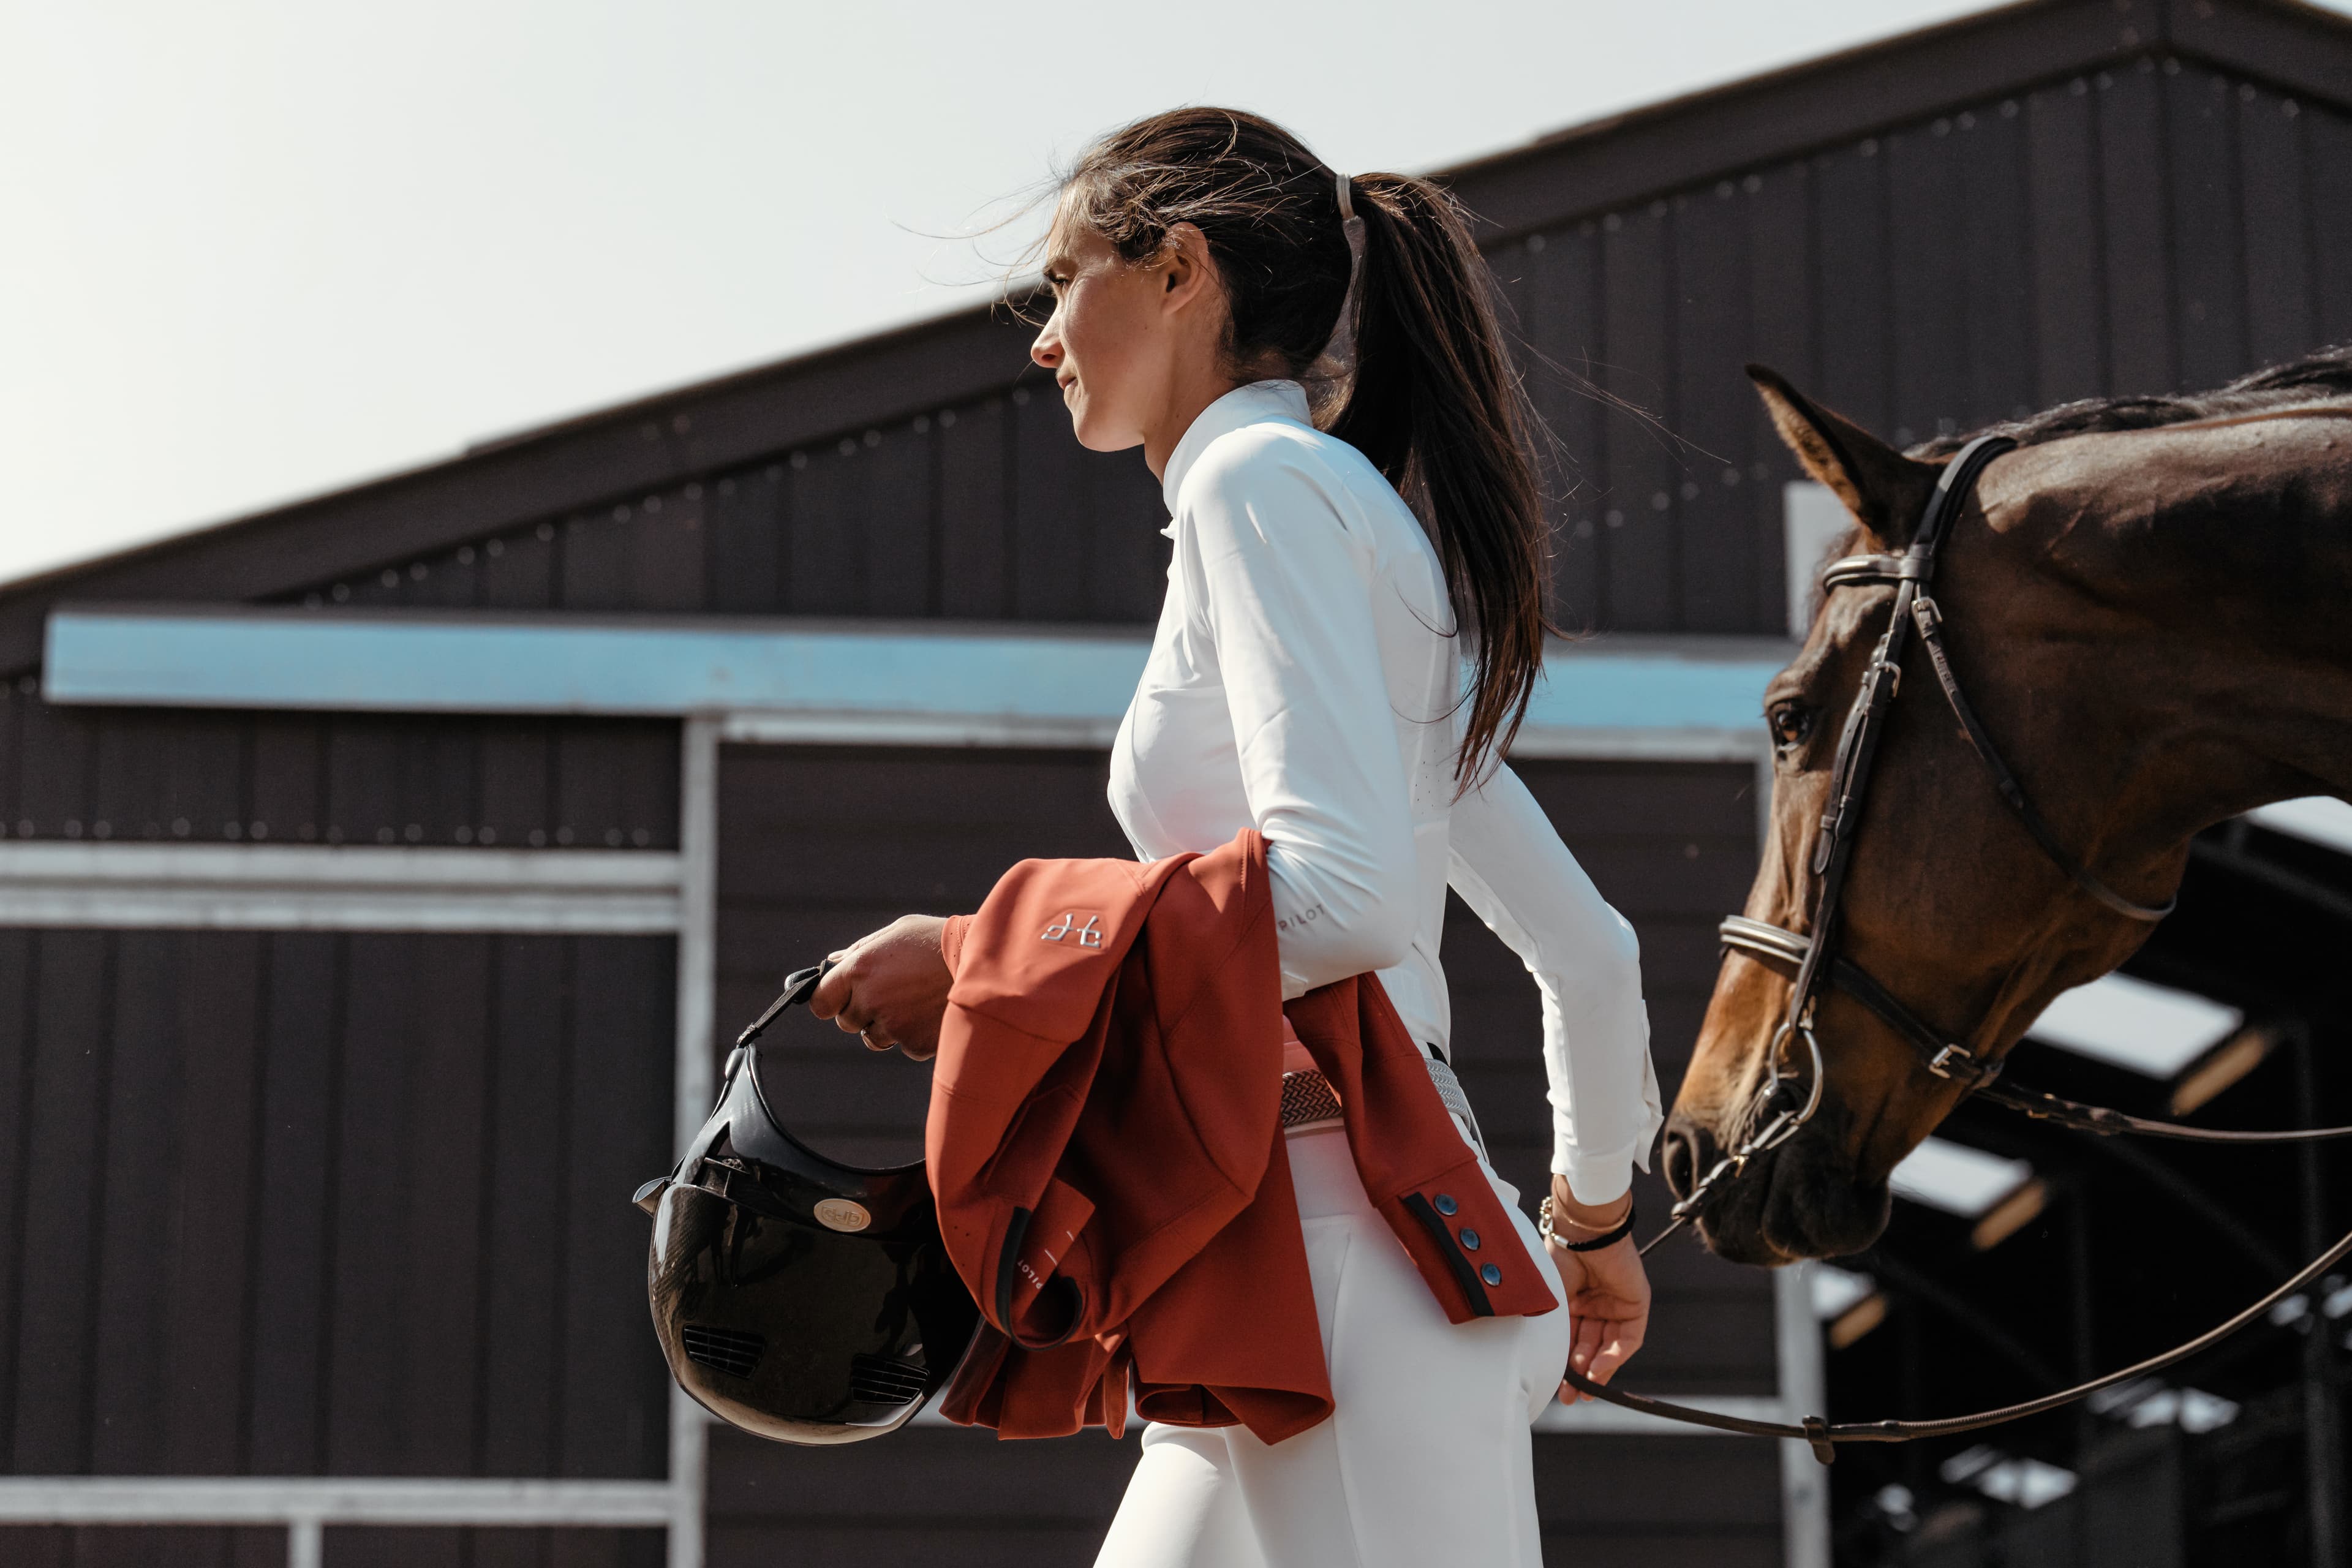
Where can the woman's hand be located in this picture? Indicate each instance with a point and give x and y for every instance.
(889, 987)
(1608, 1291)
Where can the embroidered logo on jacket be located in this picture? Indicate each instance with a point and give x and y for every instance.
(1066, 929)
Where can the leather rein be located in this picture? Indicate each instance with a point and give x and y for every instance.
(1789, 1096)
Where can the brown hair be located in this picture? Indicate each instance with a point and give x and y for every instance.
(1431, 397)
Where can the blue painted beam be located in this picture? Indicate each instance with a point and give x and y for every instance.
(1072, 680)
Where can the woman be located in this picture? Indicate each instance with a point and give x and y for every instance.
(1306, 679)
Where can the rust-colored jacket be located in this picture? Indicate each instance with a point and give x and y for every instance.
(1105, 1144)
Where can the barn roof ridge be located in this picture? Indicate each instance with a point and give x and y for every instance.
(712, 424)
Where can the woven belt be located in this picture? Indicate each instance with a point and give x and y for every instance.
(1307, 1098)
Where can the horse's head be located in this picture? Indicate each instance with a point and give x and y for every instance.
(1948, 902)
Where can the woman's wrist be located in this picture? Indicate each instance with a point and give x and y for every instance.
(1570, 1216)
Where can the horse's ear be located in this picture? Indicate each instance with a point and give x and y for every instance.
(1884, 489)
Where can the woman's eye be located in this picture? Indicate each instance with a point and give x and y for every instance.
(1791, 724)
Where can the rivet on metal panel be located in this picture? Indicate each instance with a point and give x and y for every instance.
(258, 830)
(391, 578)
(563, 836)
(946, 418)
(611, 838)
(179, 828)
(465, 555)
(487, 836)
(464, 834)
(228, 829)
(101, 829)
(694, 492)
(415, 833)
(799, 459)
(1536, 243)
(1869, 148)
(1020, 397)
(622, 513)
(538, 839)
(874, 437)
(682, 423)
(495, 548)
(546, 530)
(653, 503)
(417, 570)
(922, 424)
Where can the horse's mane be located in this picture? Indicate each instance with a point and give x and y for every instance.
(2319, 377)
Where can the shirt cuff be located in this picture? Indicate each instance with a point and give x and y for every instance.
(951, 941)
(1593, 1178)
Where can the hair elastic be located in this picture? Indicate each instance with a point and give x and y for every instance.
(1347, 196)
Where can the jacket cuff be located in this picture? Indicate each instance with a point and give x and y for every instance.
(1599, 1178)
(951, 941)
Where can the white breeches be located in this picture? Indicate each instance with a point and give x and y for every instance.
(1425, 1458)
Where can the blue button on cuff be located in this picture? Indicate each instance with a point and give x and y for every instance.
(1469, 1240)
(1491, 1275)
(1445, 1204)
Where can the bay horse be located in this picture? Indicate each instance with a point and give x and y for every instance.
(2149, 603)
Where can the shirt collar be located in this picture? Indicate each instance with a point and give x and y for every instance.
(1251, 404)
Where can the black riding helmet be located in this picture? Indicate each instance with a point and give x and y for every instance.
(795, 1297)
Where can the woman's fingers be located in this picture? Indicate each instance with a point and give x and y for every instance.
(890, 987)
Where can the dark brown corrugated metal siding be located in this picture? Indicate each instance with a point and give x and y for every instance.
(818, 846)
(2154, 227)
(311, 1204)
(303, 778)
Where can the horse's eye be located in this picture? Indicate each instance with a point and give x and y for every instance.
(1791, 724)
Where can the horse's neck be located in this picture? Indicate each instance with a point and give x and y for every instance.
(2246, 574)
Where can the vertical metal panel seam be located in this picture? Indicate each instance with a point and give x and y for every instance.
(559, 1327)
(330, 1195)
(256, 1166)
(486, 1206)
(101, 1098)
(29, 1022)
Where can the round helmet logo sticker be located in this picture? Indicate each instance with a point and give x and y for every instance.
(840, 1214)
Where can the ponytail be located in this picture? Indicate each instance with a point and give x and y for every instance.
(1431, 396)
(1436, 405)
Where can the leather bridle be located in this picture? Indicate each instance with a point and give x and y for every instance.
(1786, 1100)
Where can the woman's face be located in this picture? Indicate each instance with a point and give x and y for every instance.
(1126, 340)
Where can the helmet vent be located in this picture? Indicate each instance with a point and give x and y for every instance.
(882, 1381)
(730, 1350)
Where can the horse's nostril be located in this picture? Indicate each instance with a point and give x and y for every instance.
(1685, 1156)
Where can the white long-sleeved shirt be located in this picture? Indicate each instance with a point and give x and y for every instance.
(1302, 681)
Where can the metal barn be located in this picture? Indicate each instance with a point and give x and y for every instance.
(383, 872)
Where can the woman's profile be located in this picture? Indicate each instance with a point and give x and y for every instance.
(1353, 623)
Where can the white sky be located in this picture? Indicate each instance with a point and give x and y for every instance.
(249, 251)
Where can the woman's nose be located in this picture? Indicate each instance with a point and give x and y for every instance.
(1047, 350)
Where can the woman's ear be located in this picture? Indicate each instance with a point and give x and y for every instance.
(1185, 270)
